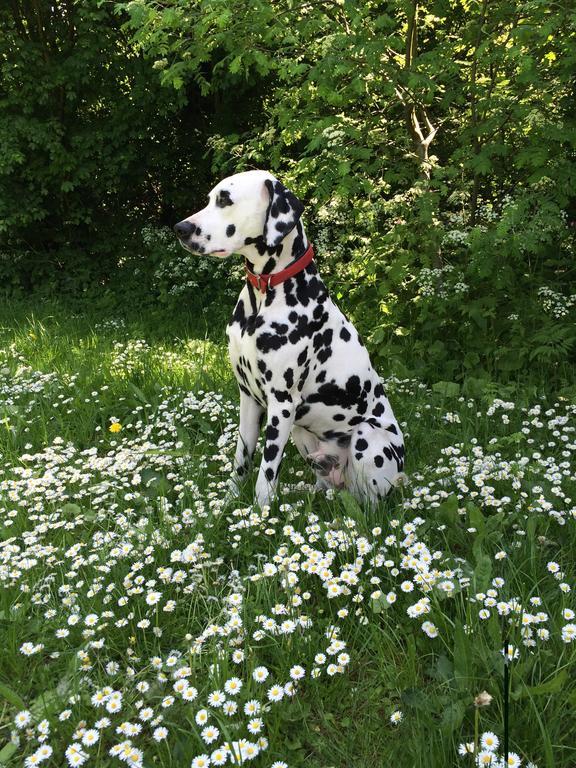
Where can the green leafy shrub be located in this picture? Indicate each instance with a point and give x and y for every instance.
(178, 277)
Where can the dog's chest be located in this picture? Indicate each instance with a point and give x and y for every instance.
(243, 352)
(248, 334)
(265, 337)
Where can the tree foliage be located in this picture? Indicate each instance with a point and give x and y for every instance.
(434, 144)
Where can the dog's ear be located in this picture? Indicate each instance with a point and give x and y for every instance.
(284, 211)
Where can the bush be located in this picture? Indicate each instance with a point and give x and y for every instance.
(177, 277)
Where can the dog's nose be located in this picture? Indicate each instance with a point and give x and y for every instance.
(184, 229)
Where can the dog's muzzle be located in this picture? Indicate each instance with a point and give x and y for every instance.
(184, 229)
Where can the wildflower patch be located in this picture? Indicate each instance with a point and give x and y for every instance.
(151, 620)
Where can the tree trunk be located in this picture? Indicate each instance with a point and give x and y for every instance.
(420, 139)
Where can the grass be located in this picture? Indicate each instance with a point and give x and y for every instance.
(126, 571)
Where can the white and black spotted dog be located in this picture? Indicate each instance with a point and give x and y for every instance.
(300, 364)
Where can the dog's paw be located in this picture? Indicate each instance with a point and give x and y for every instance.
(264, 493)
(233, 490)
(233, 487)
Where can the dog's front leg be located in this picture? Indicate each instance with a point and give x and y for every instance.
(279, 422)
(248, 431)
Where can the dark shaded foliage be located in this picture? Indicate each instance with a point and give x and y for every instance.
(433, 144)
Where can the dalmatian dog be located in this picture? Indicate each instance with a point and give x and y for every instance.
(301, 366)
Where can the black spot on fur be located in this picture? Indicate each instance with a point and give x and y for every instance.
(282, 396)
(230, 230)
(301, 411)
(223, 199)
(267, 342)
(271, 433)
(271, 451)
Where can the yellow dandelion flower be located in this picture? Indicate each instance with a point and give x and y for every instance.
(115, 427)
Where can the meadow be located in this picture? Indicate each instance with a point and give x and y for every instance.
(149, 620)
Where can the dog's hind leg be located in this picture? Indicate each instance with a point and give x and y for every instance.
(376, 461)
(305, 441)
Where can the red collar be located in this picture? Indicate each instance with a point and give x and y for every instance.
(263, 282)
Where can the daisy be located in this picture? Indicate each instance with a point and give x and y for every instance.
(22, 719)
(216, 699)
(430, 629)
(201, 761)
(44, 752)
(252, 707)
(260, 674)
(297, 672)
(486, 757)
(275, 693)
(219, 757)
(190, 693)
(160, 734)
(202, 717)
(255, 725)
(489, 741)
(210, 734)
(90, 737)
(510, 653)
(75, 755)
(233, 686)
(396, 717)
(250, 751)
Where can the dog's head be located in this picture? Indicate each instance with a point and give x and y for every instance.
(248, 208)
